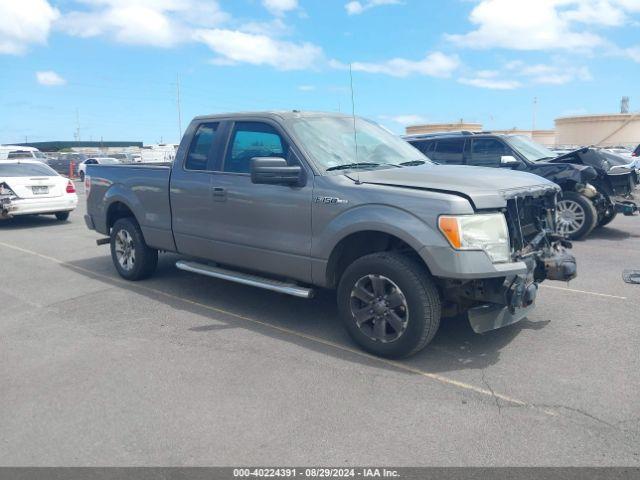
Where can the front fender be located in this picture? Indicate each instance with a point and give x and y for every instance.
(372, 218)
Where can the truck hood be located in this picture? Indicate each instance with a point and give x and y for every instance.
(485, 188)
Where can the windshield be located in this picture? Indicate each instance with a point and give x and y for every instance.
(26, 170)
(529, 149)
(330, 141)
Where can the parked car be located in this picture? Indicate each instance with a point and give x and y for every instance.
(592, 191)
(29, 187)
(126, 157)
(16, 152)
(82, 166)
(286, 202)
(67, 163)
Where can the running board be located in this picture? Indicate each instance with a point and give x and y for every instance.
(246, 279)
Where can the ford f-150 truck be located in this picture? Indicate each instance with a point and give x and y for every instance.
(292, 202)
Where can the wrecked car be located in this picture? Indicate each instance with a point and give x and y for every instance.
(296, 201)
(595, 185)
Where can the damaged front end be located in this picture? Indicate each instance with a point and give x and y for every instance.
(496, 302)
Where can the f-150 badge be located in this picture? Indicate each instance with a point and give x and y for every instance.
(330, 200)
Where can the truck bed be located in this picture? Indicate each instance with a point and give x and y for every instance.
(146, 190)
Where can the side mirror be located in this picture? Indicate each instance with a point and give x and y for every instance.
(275, 171)
(508, 161)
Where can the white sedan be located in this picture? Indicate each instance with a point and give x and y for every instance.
(82, 166)
(29, 187)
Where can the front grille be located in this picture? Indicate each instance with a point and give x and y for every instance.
(528, 216)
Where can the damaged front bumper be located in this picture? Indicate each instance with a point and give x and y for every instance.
(512, 299)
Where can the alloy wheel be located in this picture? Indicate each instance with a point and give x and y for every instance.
(570, 217)
(379, 308)
(125, 250)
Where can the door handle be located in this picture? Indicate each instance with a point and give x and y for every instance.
(219, 194)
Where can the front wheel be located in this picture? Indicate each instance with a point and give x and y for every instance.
(576, 215)
(389, 304)
(133, 259)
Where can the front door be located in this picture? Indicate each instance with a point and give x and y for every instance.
(260, 227)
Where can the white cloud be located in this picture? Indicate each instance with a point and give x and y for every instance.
(160, 23)
(50, 78)
(435, 64)
(542, 24)
(490, 83)
(24, 23)
(280, 7)
(356, 7)
(633, 53)
(405, 120)
(306, 88)
(234, 46)
(544, 74)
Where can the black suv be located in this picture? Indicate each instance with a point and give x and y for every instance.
(595, 186)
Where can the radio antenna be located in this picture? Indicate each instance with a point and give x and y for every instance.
(353, 115)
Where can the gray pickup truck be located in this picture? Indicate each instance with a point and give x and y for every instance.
(292, 201)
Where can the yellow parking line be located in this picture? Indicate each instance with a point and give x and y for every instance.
(392, 363)
(584, 291)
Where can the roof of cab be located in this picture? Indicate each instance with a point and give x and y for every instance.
(276, 114)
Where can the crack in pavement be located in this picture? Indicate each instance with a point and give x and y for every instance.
(495, 398)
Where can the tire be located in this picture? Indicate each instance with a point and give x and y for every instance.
(62, 216)
(576, 215)
(607, 219)
(416, 312)
(131, 256)
(82, 176)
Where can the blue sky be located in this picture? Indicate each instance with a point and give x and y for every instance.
(110, 66)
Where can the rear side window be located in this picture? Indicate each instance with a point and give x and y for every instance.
(253, 139)
(487, 152)
(200, 149)
(449, 151)
(26, 170)
(19, 154)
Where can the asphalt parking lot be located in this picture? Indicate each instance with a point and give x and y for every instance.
(185, 370)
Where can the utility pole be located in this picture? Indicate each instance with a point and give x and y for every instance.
(533, 119)
(179, 109)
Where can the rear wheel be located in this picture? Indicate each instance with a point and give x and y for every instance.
(576, 215)
(62, 216)
(133, 259)
(389, 304)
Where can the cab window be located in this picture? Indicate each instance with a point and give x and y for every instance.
(253, 139)
(200, 148)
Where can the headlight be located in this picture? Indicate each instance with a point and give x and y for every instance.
(486, 232)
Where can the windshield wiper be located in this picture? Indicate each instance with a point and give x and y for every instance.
(413, 163)
(346, 166)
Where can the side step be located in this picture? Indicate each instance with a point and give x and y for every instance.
(246, 279)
